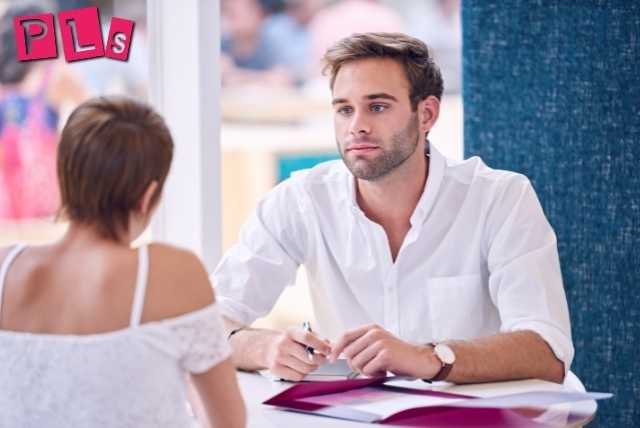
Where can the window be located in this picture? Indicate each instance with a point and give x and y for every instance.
(34, 105)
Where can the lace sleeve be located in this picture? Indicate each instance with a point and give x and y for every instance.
(201, 341)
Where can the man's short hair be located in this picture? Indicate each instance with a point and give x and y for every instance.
(422, 72)
(110, 151)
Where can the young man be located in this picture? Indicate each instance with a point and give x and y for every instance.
(417, 264)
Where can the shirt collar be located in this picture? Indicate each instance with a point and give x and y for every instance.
(432, 185)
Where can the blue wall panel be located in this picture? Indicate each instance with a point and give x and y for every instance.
(552, 89)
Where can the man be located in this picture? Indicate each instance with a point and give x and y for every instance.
(417, 264)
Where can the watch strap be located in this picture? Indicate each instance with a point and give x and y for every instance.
(444, 371)
(237, 330)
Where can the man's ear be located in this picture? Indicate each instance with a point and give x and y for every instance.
(428, 113)
(144, 206)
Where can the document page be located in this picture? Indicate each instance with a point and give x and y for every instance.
(339, 370)
(533, 399)
(378, 401)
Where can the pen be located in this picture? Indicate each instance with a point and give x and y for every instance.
(306, 326)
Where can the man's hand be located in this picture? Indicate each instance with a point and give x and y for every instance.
(287, 357)
(373, 351)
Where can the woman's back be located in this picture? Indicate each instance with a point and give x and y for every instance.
(73, 349)
(73, 287)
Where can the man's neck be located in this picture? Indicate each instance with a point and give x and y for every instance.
(392, 200)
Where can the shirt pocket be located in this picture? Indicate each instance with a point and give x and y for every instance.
(460, 307)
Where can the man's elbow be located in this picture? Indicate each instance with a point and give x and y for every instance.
(555, 371)
(553, 368)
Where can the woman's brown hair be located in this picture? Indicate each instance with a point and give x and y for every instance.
(111, 149)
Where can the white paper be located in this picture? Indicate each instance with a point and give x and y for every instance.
(338, 370)
(533, 399)
(335, 371)
(379, 401)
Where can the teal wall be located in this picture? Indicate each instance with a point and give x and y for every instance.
(293, 162)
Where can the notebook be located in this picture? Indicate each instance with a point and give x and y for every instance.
(338, 370)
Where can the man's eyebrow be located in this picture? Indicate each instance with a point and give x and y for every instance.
(380, 95)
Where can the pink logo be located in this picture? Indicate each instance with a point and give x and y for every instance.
(35, 37)
(81, 33)
(119, 41)
(81, 36)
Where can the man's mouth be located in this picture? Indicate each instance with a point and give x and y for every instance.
(361, 147)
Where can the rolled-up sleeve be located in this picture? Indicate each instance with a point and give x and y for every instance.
(254, 272)
(525, 279)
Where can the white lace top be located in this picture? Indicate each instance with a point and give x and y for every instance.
(132, 377)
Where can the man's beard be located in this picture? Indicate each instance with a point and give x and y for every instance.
(404, 144)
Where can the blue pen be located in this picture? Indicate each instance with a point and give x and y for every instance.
(306, 326)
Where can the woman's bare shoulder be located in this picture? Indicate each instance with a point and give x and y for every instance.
(178, 283)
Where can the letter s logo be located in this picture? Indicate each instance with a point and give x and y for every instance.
(119, 42)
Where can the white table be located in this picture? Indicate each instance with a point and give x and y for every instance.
(256, 389)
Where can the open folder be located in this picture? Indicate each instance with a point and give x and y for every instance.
(370, 400)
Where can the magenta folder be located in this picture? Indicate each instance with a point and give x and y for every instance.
(293, 399)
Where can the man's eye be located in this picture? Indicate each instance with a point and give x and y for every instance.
(345, 110)
(378, 108)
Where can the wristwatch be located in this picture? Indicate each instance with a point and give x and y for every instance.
(445, 354)
(237, 330)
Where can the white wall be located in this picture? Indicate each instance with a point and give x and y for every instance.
(184, 40)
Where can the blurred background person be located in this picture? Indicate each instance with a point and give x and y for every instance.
(33, 95)
(265, 41)
(287, 27)
(339, 19)
(65, 86)
(437, 22)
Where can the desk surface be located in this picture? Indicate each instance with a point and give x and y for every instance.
(256, 389)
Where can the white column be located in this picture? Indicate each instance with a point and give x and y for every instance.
(184, 41)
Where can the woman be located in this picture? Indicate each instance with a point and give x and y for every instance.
(93, 332)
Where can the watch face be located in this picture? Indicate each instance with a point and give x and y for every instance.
(444, 353)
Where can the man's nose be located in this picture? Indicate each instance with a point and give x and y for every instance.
(359, 125)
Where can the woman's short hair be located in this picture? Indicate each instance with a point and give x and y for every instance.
(110, 151)
(422, 72)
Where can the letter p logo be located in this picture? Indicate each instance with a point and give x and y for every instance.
(35, 37)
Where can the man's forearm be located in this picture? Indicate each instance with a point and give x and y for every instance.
(505, 356)
(249, 345)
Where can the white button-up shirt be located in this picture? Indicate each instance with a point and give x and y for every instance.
(480, 258)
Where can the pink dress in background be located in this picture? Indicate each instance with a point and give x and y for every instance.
(28, 180)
